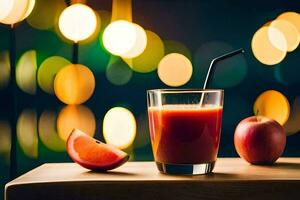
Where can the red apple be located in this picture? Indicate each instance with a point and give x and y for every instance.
(93, 154)
(259, 140)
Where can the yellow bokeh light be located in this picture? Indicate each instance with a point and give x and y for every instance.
(29, 9)
(291, 17)
(274, 105)
(74, 84)
(5, 140)
(48, 70)
(48, 132)
(26, 72)
(77, 22)
(140, 43)
(264, 50)
(17, 10)
(175, 69)
(27, 133)
(45, 14)
(119, 37)
(292, 126)
(290, 32)
(4, 69)
(121, 9)
(149, 59)
(119, 127)
(75, 116)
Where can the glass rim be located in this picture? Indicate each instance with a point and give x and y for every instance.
(174, 91)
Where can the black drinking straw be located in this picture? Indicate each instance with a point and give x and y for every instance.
(211, 69)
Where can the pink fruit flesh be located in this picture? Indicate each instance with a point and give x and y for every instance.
(92, 154)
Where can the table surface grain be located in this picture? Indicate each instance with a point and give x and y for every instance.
(231, 175)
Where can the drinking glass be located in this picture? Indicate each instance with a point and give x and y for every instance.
(185, 128)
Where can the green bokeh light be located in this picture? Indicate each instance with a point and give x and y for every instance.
(47, 71)
(118, 72)
(228, 73)
(26, 72)
(48, 132)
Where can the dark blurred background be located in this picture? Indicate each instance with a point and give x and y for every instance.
(201, 29)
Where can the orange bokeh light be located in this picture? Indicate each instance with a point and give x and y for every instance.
(74, 84)
(75, 116)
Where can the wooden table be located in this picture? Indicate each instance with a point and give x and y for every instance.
(232, 179)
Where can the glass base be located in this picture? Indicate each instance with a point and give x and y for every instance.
(185, 169)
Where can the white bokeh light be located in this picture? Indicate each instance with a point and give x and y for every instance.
(277, 39)
(140, 43)
(77, 22)
(5, 8)
(14, 11)
(125, 39)
(119, 127)
(119, 37)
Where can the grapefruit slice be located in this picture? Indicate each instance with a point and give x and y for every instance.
(93, 154)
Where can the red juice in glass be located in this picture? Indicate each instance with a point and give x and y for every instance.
(185, 136)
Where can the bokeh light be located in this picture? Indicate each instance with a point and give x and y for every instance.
(5, 8)
(172, 46)
(290, 32)
(30, 7)
(287, 72)
(149, 59)
(78, 22)
(105, 19)
(5, 140)
(121, 10)
(269, 45)
(48, 132)
(4, 69)
(48, 70)
(175, 69)
(27, 133)
(118, 72)
(123, 38)
(277, 38)
(292, 126)
(140, 43)
(274, 105)
(14, 11)
(75, 116)
(26, 72)
(291, 17)
(45, 14)
(92, 53)
(228, 73)
(119, 37)
(74, 84)
(119, 127)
